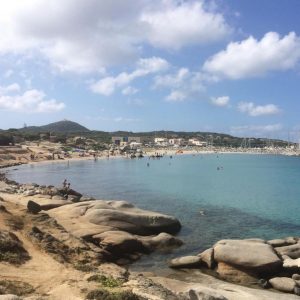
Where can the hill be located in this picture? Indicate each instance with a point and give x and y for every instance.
(64, 126)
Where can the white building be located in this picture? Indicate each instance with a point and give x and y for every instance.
(196, 142)
(178, 142)
(161, 142)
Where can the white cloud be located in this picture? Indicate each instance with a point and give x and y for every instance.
(176, 96)
(183, 84)
(88, 36)
(258, 110)
(250, 57)
(256, 130)
(129, 90)
(172, 80)
(220, 101)
(31, 101)
(187, 23)
(9, 88)
(107, 86)
(125, 120)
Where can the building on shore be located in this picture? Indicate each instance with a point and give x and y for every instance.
(163, 142)
(126, 140)
(196, 142)
(177, 142)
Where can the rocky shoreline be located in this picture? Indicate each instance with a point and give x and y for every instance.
(79, 248)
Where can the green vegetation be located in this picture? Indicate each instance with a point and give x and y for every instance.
(109, 282)
(64, 126)
(5, 138)
(11, 249)
(83, 267)
(15, 223)
(102, 294)
(63, 130)
(18, 288)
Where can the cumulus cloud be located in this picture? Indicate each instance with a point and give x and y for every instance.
(220, 101)
(251, 57)
(176, 96)
(183, 24)
(129, 90)
(30, 101)
(258, 110)
(87, 36)
(107, 86)
(183, 84)
(14, 87)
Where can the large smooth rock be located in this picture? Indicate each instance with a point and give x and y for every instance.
(235, 275)
(212, 287)
(163, 241)
(202, 293)
(118, 227)
(113, 215)
(207, 257)
(283, 284)
(119, 242)
(282, 242)
(248, 254)
(185, 262)
(39, 204)
(290, 263)
(293, 251)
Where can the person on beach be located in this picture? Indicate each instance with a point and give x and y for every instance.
(65, 183)
(66, 190)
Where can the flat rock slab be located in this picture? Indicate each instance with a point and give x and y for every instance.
(234, 275)
(97, 216)
(291, 263)
(293, 251)
(282, 242)
(185, 262)
(283, 284)
(207, 257)
(37, 204)
(118, 226)
(248, 254)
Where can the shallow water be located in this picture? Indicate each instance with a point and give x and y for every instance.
(215, 196)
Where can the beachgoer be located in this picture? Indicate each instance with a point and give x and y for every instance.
(65, 183)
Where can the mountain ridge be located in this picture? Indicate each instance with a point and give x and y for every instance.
(64, 126)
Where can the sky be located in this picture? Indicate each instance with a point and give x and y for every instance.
(227, 66)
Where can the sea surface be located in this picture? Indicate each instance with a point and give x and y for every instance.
(215, 196)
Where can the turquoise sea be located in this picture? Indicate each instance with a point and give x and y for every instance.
(215, 196)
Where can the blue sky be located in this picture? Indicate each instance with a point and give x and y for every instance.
(224, 66)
